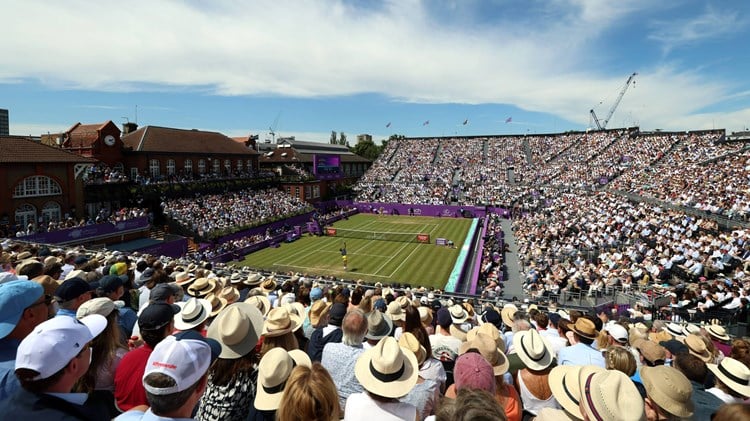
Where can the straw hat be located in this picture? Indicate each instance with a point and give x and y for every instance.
(489, 350)
(425, 315)
(697, 347)
(403, 301)
(217, 304)
(231, 294)
(488, 330)
(532, 349)
(279, 322)
(261, 302)
(585, 328)
(269, 285)
(273, 371)
(235, 278)
(395, 312)
(410, 342)
(182, 278)
(651, 351)
(318, 311)
(387, 370)
(610, 395)
(49, 284)
(458, 314)
(201, 287)
(192, 313)
(663, 336)
(690, 328)
(296, 308)
(379, 326)
(253, 279)
(675, 330)
(563, 382)
(237, 329)
(734, 374)
(507, 313)
(717, 332)
(669, 389)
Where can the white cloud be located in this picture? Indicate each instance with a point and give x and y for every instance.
(35, 129)
(712, 23)
(312, 49)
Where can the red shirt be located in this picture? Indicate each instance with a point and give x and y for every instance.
(129, 391)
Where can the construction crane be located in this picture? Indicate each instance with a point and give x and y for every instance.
(272, 128)
(602, 126)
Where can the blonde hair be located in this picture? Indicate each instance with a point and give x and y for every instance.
(309, 394)
(620, 359)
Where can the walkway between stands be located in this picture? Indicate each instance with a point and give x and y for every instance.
(513, 285)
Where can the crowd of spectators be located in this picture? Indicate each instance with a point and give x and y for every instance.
(96, 336)
(212, 215)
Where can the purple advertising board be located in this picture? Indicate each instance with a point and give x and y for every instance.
(87, 232)
(174, 248)
(325, 165)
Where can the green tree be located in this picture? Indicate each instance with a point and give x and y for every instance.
(342, 138)
(333, 138)
(366, 149)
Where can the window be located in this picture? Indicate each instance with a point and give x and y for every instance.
(201, 166)
(133, 173)
(51, 212)
(249, 165)
(170, 167)
(188, 166)
(296, 192)
(25, 215)
(307, 192)
(228, 166)
(239, 165)
(316, 191)
(217, 166)
(37, 185)
(153, 167)
(119, 168)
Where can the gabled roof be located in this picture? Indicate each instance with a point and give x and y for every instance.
(84, 135)
(165, 139)
(19, 149)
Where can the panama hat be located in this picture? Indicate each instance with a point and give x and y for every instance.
(395, 312)
(229, 293)
(201, 287)
(182, 278)
(563, 382)
(458, 314)
(318, 311)
(280, 322)
(663, 335)
(387, 370)
(217, 304)
(675, 330)
(379, 326)
(718, 332)
(669, 389)
(425, 315)
(261, 302)
(403, 301)
(507, 313)
(585, 328)
(410, 342)
(253, 279)
(734, 374)
(237, 329)
(697, 347)
(690, 328)
(273, 371)
(489, 330)
(532, 349)
(610, 395)
(192, 313)
(235, 278)
(296, 308)
(489, 350)
(269, 285)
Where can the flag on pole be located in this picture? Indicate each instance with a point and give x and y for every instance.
(426, 123)
(466, 121)
(388, 125)
(509, 119)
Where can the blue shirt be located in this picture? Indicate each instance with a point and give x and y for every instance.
(8, 381)
(580, 354)
(65, 312)
(145, 416)
(127, 320)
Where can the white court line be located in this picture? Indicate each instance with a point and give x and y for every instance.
(314, 247)
(336, 271)
(392, 257)
(357, 254)
(405, 260)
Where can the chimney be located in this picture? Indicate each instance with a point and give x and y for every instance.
(129, 127)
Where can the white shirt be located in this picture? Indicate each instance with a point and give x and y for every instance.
(360, 404)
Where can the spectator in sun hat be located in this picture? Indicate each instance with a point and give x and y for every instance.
(609, 395)
(425, 395)
(232, 378)
(70, 295)
(582, 353)
(175, 377)
(459, 316)
(193, 315)
(732, 383)
(379, 326)
(317, 316)
(49, 361)
(155, 322)
(273, 371)
(668, 393)
(23, 306)
(720, 338)
(330, 333)
(444, 345)
(386, 373)
(536, 355)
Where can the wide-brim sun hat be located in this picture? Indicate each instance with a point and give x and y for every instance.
(279, 322)
(387, 370)
(379, 326)
(610, 395)
(318, 310)
(237, 329)
(533, 350)
(253, 279)
(507, 313)
(202, 287)
(718, 332)
(217, 304)
(669, 389)
(585, 328)
(458, 314)
(489, 330)
(261, 302)
(734, 374)
(273, 371)
(697, 347)
(563, 382)
(489, 350)
(192, 313)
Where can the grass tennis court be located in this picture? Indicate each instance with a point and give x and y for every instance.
(371, 259)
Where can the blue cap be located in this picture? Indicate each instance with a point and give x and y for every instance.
(316, 294)
(15, 297)
(72, 289)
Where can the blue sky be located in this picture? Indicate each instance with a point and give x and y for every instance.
(354, 66)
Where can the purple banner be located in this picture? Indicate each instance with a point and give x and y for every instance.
(429, 210)
(88, 232)
(174, 248)
(261, 230)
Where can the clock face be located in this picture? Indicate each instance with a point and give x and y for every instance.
(109, 140)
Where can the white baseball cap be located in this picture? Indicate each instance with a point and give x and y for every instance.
(54, 343)
(617, 331)
(184, 357)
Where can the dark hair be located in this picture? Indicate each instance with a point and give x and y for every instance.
(541, 319)
(692, 367)
(224, 371)
(153, 337)
(357, 295)
(413, 324)
(32, 269)
(164, 404)
(54, 270)
(26, 375)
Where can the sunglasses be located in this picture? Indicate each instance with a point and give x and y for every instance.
(47, 301)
